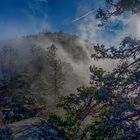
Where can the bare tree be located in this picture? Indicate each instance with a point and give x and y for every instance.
(8, 61)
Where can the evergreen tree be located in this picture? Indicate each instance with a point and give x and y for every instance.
(116, 8)
(56, 77)
(110, 108)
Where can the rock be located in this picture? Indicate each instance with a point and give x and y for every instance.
(31, 129)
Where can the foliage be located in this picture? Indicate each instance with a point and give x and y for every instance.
(8, 61)
(56, 77)
(109, 109)
(117, 7)
(16, 100)
(6, 134)
(25, 94)
(12, 111)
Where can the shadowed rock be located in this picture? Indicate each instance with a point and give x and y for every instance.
(31, 129)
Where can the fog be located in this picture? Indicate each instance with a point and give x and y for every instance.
(71, 49)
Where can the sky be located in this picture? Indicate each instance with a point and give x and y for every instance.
(29, 16)
(24, 17)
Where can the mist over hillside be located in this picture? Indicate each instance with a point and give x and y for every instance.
(37, 70)
(70, 70)
(71, 49)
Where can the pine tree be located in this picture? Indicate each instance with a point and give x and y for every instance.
(116, 8)
(110, 108)
(56, 77)
(112, 104)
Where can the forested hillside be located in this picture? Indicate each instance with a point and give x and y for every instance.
(57, 86)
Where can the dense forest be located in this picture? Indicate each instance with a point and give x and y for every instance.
(44, 90)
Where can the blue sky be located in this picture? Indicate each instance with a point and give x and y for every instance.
(23, 17)
(57, 13)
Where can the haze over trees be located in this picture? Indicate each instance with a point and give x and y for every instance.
(110, 107)
(24, 90)
(107, 109)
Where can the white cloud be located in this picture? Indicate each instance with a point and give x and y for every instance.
(135, 26)
(111, 34)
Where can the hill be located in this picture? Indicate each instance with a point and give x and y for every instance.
(70, 49)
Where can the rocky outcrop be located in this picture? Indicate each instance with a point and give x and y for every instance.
(31, 129)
